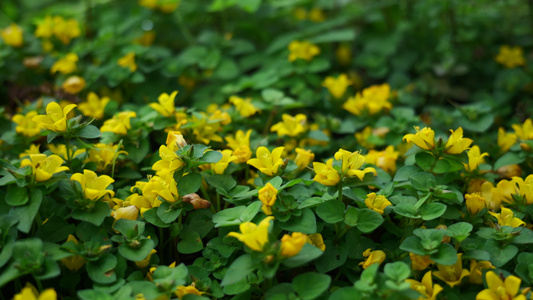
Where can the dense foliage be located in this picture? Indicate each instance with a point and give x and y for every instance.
(315, 149)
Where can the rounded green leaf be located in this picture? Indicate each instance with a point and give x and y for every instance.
(311, 285)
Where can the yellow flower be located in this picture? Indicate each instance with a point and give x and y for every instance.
(475, 203)
(175, 140)
(302, 50)
(524, 131)
(169, 160)
(44, 167)
(456, 143)
(220, 116)
(204, 129)
(300, 13)
(372, 257)
(94, 107)
(34, 149)
(506, 218)
(252, 235)
(266, 162)
(151, 4)
(268, 195)
(166, 104)
(317, 15)
(385, 159)
(144, 263)
(169, 6)
(475, 158)
(337, 86)
(240, 145)
(291, 126)
(303, 158)
(377, 203)
(73, 262)
(316, 240)
(373, 100)
(453, 274)
(292, 244)
(65, 30)
(222, 164)
(501, 290)
(73, 84)
(351, 162)
(55, 118)
(127, 212)
(426, 288)
(61, 150)
(45, 28)
(476, 269)
(128, 61)
(25, 124)
(511, 57)
(163, 186)
(325, 173)
(12, 35)
(94, 186)
(244, 106)
(343, 53)
(420, 262)
(505, 140)
(103, 155)
(424, 138)
(182, 290)
(119, 124)
(30, 293)
(66, 65)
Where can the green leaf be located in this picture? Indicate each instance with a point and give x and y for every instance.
(314, 201)
(251, 211)
(89, 132)
(211, 157)
(305, 223)
(56, 229)
(459, 231)
(95, 215)
(405, 172)
(412, 244)
(137, 252)
(51, 137)
(16, 195)
(432, 210)
(311, 285)
(130, 228)
(345, 293)
(407, 210)
(509, 158)
(334, 256)
(168, 213)
(27, 212)
(250, 6)
(500, 255)
(94, 295)
(223, 182)
(445, 255)
(307, 254)
(525, 237)
(190, 242)
(229, 216)
(151, 217)
(397, 271)
(272, 95)
(425, 160)
(190, 183)
(369, 220)
(103, 269)
(238, 270)
(338, 35)
(331, 211)
(442, 166)
(351, 216)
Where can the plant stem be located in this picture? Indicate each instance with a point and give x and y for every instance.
(115, 158)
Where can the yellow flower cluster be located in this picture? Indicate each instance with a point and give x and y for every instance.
(371, 100)
(510, 57)
(12, 35)
(302, 50)
(62, 29)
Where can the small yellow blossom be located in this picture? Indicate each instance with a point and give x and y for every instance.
(144, 263)
(420, 262)
(240, 144)
(351, 162)
(476, 269)
(510, 57)
(73, 84)
(244, 106)
(30, 293)
(204, 129)
(65, 30)
(119, 124)
(175, 140)
(169, 161)
(475, 158)
(525, 131)
(268, 195)
(426, 288)
(44, 166)
(127, 212)
(45, 28)
(163, 186)
(424, 138)
(453, 274)
(506, 218)
(61, 150)
(372, 100)
(316, 240)
(337, 86)
(25, 124)
(266, 162)
(372, 257)
(94, 187)
(506, 140)
(501, 290)
(34, 149)
(73, 262)
(65, 65)
(103, 155)
(385, 159)
(146, 39)
(343, 53)
(317, 15)
(182, 290)
(94, 107)
(12, 35)
(55, 118)
(377, 203)
(302, 50)
(303, 158)
(252, 235)
(291, 126)
(128, 61)
(325, 173)
(221, 166)
(475, 203)
(456, 143)
(166, 104)
(292, 244)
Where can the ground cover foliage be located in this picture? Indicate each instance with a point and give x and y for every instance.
(266, 149)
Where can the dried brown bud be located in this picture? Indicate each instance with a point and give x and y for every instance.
(196, 201)
(509, 171)
(32, 62)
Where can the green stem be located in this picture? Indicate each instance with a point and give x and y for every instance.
(218, 202)
(39, 284)
(184, 29)
(340, 191)
(115, 158)
(69, 150)
(273, 113)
